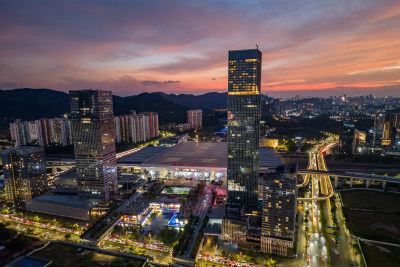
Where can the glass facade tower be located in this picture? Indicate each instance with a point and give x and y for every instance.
(94, 142)
(25, 174)
(244, 114)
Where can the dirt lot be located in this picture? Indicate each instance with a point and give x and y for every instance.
(380, 255)
(383, 202)
(374, 226)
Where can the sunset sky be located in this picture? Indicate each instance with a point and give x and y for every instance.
(129, 47)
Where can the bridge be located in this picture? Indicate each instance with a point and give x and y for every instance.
(65, 165)
(353, 176)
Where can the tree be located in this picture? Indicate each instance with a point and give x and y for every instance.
(74, 226)
(118, 230)
(134, 235)
(168, 236)
(19, 243)
(68, 236)
(5, 234)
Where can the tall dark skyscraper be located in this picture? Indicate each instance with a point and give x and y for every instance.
(94, 142)
(244, 114)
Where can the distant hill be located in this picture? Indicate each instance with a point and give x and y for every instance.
(26, 103)
(167, 111)
(205, 101)
(30, 104)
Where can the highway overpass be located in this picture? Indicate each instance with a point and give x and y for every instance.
(368, 178)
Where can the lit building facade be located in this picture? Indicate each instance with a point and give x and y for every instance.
(388, 123)
(94, 142)
(244, 114)
(269, 142)
(279, 211)
(359, 140)
(24, 173)
(195, 118)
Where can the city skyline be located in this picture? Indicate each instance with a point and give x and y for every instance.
(313, 48)
(199, 133)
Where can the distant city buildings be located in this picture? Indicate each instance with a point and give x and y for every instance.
(24, 174)
(195, 118)
(180, 127)
(136, 128)
(388, 123)
(94, 142)
(383, 138)
(42, 131)
(359, 138)
(279, 211)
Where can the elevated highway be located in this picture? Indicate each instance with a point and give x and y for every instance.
(353, 175)
(317, 164)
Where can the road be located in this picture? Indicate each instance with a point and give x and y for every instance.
(117, 245)
(201, 211)
(339, 254)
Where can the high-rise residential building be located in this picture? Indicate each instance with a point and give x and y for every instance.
(135, 128)
(66, 131)
(140, 128)
(33, 132)
(146, 123)
(20, 132)
(195, 118)
(94, 142)
(122, 127)
(55, 130)
(279, 211)
(60, 131)
(244, 114)
(14, 133)
(24, 173)
(44, 131)
(117, 124)
(153, 123)
(23, 132)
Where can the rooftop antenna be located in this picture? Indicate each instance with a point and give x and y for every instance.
(257, 46)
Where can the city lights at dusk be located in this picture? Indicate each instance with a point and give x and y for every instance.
(200, 133)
